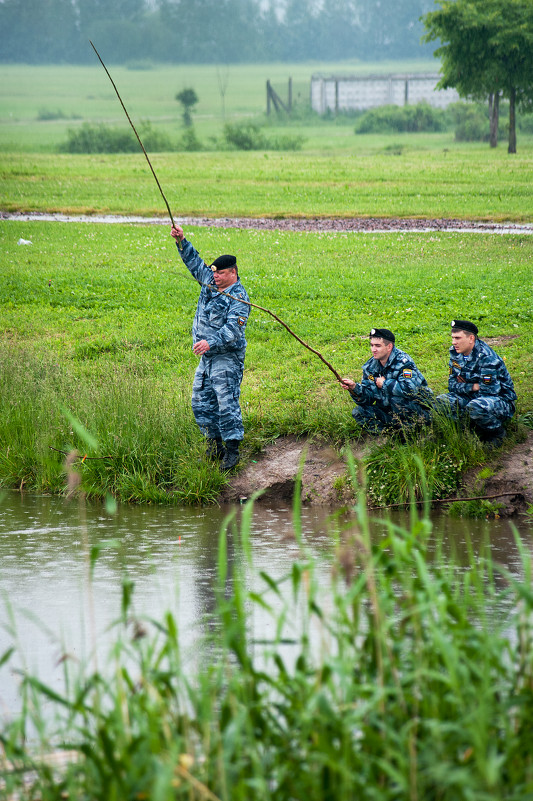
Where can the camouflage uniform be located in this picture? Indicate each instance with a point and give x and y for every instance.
(404, 397)
(493, 403)
(222, 322)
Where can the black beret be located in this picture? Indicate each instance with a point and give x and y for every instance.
(464, 325)
(224, 263)
(384, 333)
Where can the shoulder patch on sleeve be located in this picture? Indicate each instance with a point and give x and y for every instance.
(241, 320)
(407, 373)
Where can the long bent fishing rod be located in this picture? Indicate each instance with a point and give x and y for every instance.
(275, 316)
(134, 131)
(180, 246)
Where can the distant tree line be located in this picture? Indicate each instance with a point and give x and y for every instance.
(210, 31)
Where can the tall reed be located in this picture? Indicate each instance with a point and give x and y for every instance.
(408, 676)
(146, 445)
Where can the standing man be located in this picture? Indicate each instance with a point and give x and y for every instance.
(392, 392)
(479, 384)
(218, 338)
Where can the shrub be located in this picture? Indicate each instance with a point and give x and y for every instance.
(413, 119)
(46, 114)
(525, 123)
(189, 141)
(245, 136)
(471, 122)
(188, 99)
(249, 136)
(101, 138)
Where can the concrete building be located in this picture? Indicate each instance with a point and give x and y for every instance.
(350, 92)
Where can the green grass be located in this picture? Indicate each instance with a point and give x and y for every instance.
(86, 93)
(406, 675)
(108, 309)
(468, 182)
(105, 308)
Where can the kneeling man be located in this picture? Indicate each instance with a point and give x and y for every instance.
(479, 384)
(392, 393)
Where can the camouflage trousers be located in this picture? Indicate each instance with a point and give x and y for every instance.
(486, 412)
(376, 419)
(215, 396)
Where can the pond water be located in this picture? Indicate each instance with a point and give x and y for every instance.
(48, 607)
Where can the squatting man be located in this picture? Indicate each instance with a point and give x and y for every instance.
(394, 394)
(480, 388)
(218, 334)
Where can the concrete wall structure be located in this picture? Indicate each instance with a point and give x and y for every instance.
(349, 92)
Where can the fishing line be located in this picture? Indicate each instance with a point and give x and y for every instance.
(267, 311)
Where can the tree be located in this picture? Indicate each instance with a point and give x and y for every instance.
(486, 49)
(188, 98)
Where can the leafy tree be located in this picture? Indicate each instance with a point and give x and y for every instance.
(486, 49)
(188, 98)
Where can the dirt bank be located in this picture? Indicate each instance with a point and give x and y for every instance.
(274, 473)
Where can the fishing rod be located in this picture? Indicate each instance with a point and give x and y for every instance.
(136, 134)
(275, 316)
(180, 246)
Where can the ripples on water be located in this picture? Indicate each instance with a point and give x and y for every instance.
(171, 555)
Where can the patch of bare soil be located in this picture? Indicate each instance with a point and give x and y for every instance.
(274, 473)
(513, 473)
(323, 475)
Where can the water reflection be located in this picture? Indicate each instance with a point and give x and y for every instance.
(48, 606)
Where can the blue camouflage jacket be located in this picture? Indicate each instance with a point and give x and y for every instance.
(484, 367)
(404, 383)
(219, 319)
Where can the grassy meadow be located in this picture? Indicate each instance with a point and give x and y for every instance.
(39, 104)
(96, 318)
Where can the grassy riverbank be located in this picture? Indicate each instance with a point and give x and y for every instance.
(408, 677)
(96, 319)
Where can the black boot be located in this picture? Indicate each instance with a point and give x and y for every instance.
(493, 437)
(215, 450)
(231, 459)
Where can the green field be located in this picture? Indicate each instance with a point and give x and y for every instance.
(85, 94)
(96, 318)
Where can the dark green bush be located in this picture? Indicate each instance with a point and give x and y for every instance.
(471, 122)
(101, 138)
(245, 136)
(249, 136)
(189, 141)
(525, 123)
(412, 119)
(45, 114)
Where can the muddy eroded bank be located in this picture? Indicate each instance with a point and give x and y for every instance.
(323, 470)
